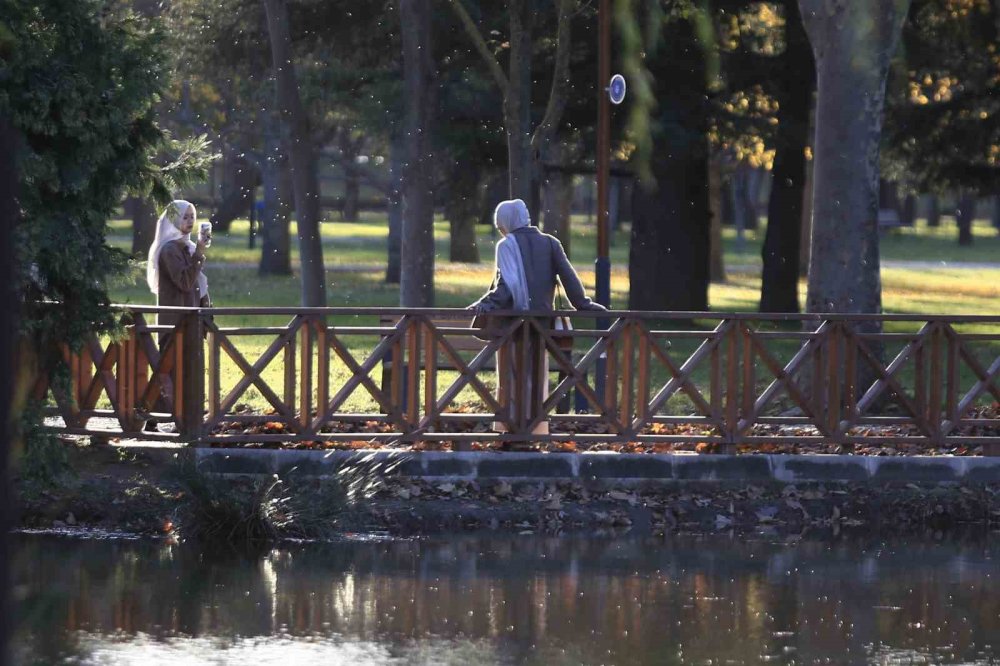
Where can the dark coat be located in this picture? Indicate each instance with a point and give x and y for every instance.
(544, 260)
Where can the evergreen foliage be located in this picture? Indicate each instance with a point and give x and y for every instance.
(79, 82)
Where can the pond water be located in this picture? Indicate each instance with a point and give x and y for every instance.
(509, 600)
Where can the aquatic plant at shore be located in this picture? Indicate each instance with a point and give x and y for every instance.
(214, 508)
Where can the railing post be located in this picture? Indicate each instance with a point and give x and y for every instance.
(306, 336)
(936, 386)
(834, 378)
(430, 373)
(192, 385)
(749, 383)
(732, 385)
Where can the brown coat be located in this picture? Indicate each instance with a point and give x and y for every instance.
(179, 271)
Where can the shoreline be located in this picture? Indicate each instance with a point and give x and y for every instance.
(136, 493)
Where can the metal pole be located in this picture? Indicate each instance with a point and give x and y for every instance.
(602, 265)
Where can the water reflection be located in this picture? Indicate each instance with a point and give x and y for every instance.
(509, 601)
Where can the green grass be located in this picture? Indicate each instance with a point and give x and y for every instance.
(364, 242)
(234, 282)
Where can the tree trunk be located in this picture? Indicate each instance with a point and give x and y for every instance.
(557, 196)
(737, 200)
(352, 194)
(495, 191)
(350, 149)
(394, 206)
(144, 219)
(996, 206)
(239, 178)
(461, 209)
(965, 214)
(669, 250)
(852, 43)
(8, 328)
(805, 243)
(416, 287)
(781, 252)
(908, 212)
(517, 106)
(725, 200)
(299, 148)
(557, 199)
(717, 264)
(275, 256)
(754, 181)
(463, 248)
(933, 211)
(614, 206)
(888, 196)
(783, 239)
(669, 245)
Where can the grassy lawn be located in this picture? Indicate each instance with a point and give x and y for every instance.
(234, 282)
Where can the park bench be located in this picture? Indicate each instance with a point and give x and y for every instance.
(467, 345)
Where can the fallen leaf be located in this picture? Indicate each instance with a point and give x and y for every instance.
(503, 489)
(722, 521)
(624, 497)
(767, 514)
(795, 504)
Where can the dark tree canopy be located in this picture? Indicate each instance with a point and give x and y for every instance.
(941, 130)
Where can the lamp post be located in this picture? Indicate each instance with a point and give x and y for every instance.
(610, 90)
(602, 265)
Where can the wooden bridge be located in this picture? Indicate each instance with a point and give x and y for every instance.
(726, 379)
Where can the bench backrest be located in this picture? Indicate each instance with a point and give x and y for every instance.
(459, 342)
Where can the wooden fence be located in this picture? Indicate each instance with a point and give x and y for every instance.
(726, 378)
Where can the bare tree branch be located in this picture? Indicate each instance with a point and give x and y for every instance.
(477, 40)
(560, 79)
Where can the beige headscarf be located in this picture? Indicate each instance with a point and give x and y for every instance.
(168, 229)
(510, 216)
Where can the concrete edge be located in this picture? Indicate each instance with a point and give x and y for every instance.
(619, 468)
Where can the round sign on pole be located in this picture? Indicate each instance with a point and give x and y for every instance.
(616, 89)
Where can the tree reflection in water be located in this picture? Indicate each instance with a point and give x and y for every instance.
(509, 600)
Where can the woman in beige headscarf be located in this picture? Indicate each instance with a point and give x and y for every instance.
(528, 263)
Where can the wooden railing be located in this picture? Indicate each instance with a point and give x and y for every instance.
(725, 378)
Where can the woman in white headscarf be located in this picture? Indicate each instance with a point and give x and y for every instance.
(174, 270)
(528, 263)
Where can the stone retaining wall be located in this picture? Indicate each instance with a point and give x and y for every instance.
(617, 468)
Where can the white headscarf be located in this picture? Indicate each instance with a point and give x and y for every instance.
(167, 231)
(508, 217)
